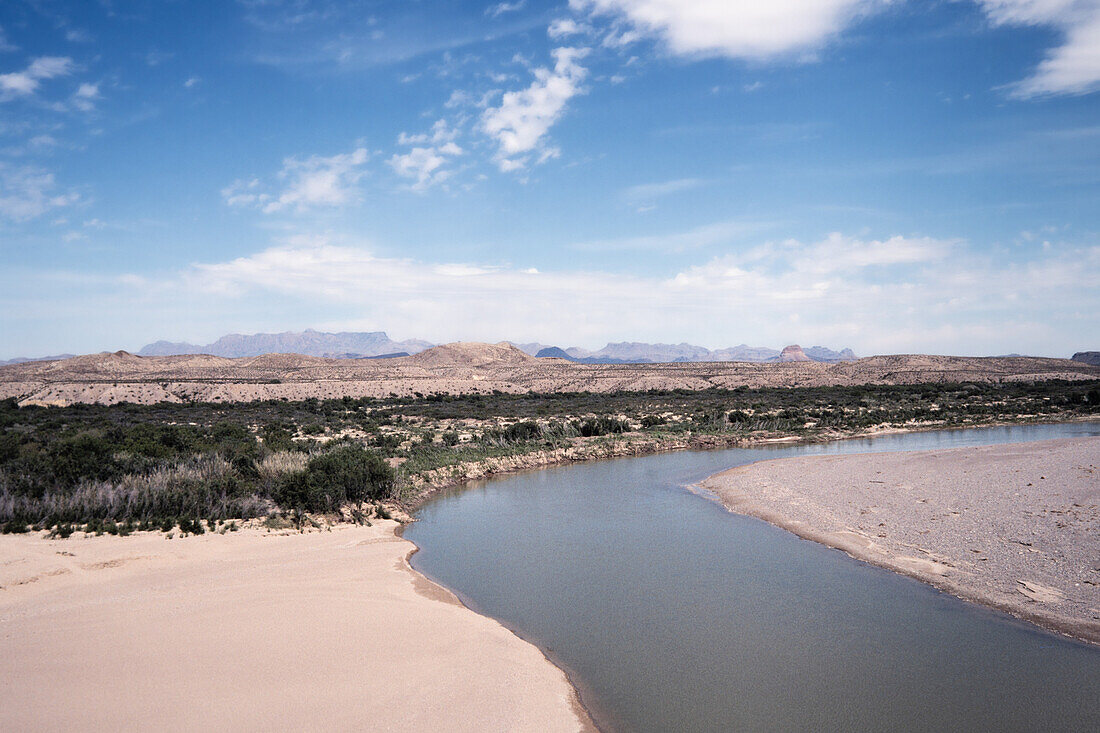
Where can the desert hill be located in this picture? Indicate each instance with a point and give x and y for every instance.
(468, 354)
(1087, 357)
(460, 368)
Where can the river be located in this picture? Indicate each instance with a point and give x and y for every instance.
(672, 614)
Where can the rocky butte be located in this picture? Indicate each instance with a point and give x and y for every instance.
(793, 352)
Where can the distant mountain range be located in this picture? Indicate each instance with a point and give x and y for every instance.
(22, 359)
(641, 353)
(377, 344)
(346, 345)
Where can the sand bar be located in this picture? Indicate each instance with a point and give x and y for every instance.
(1016, 526)
(257, 631)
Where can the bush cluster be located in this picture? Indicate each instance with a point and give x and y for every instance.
(346, 473)
(61, 473)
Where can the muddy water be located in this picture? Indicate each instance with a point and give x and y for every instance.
(672, 614)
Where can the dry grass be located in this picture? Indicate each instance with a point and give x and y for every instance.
(281, 463)
(200, 486)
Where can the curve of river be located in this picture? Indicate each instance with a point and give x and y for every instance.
(672, 614)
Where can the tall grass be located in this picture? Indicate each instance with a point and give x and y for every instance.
(203, 486)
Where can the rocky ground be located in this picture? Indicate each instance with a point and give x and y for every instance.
(465, 369)
(1013, 526)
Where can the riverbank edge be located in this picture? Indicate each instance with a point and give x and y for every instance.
(1086, 632)
(583, 701)
(431, 483)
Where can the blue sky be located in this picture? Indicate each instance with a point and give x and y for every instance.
(888, 175)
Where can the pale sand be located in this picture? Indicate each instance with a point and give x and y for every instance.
(257, 631)
(1016, 527)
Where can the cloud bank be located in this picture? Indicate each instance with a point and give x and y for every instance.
(877, 295)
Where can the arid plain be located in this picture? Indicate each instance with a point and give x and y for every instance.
(469, 368)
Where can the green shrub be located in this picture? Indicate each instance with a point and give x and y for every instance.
(521, 431)
(277, 438)
(601, 426)
(345, 473)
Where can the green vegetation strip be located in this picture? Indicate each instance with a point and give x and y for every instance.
(200, 466)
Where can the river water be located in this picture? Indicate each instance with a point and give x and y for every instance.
(672, 614)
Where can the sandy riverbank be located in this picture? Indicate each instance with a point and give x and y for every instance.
(256, 631)
(1016, 526)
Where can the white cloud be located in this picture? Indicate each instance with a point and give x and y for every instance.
(191, 82)
(425, 164)
(896, 293)
(1070, 68)
(27, 192)
(309, 183)
(23, 83)
(85, 96)
(495, 11)
(245, 193)
(524, 117)
(563, 27)
(837, 253)
(747, 29)
(439, 134)
(1028, 11)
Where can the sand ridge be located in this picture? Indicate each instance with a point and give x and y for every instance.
(257, 631)
(1013, 526)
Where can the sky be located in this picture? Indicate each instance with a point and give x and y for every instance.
(893, 176)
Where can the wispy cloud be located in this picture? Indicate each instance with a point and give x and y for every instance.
(5, 44)
(26, 82)
(308, 183)
(701, 237)
(84, 98)
(495, 11)
(564, 27)
(1073, 67)
(78, 35)
(646, 193)
(28, 191)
